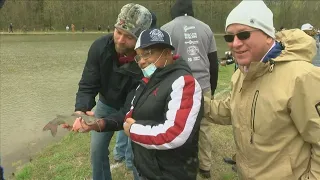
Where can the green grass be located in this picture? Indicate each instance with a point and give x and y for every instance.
(70, 158)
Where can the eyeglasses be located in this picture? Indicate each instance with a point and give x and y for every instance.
(241, 35)
(145, 56)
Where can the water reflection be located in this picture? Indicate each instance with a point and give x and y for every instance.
(38, 79)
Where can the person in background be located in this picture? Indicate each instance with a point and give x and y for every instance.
(309, 29)
(73, 27)
(195, 43)
(228, 59)
(10, 28)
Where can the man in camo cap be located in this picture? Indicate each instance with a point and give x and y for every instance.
(134, 19)
(111, 72)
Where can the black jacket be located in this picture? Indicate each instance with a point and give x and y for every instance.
(103, 74)
(168, 110)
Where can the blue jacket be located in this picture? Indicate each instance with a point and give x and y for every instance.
(316, 59)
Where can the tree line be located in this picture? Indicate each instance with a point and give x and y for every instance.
(56, 14)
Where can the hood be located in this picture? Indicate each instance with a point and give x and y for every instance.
(182, 7)
(154, 20)
(178, 64)
(298, 46)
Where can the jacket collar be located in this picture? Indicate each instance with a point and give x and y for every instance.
(131, 69)
(258, 69)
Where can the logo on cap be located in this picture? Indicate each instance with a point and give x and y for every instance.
(156, 35)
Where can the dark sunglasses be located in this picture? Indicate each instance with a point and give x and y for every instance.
(241, 35)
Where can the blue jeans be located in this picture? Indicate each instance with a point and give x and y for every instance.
(100, 147)
(123, 150)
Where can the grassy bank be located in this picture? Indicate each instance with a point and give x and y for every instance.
(70, 158)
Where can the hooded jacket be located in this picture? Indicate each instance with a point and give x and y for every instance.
(167, 108)
(182, 7)
(274, 109)
(195, 42)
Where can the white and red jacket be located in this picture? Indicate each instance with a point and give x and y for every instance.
(168, 109)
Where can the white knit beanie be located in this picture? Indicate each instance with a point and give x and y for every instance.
(253, 13)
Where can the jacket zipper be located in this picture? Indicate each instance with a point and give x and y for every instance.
(253, 114)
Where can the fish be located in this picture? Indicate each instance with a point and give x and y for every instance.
(67, 119)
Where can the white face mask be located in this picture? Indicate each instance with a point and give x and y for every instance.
(151, 68)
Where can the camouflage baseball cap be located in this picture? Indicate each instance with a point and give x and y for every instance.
(134, 18)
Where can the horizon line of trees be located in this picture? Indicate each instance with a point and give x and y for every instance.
(48, 14)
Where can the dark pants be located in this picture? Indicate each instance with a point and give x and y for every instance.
(1, 173)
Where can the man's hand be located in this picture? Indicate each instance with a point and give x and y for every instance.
(127, 125)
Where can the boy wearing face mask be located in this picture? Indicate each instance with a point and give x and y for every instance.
(163, 114)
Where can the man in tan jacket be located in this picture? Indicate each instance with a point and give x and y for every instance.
(274, 104)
